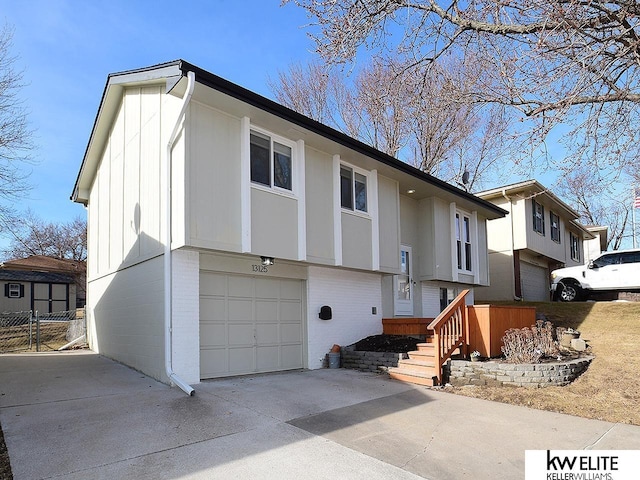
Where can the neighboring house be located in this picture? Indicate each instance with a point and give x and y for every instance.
(540, 234)
(41, 263)
(598, 244)
(271, 216)
(44, 292)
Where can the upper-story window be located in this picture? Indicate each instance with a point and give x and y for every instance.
(463, 241)
(538, 217)
(271, 161)
(353, 189)
(574, 241)
(555, 227)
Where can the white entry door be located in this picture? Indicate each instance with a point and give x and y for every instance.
(403, 284)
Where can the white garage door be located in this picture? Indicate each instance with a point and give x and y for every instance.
(535, 282)
(249, 324)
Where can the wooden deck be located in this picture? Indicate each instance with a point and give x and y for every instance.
(459, 329)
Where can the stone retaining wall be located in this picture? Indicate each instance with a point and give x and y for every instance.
(463, 372)
(368, 361)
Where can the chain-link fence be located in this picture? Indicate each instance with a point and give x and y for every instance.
(29, 331)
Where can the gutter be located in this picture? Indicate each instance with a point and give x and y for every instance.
(168, 270)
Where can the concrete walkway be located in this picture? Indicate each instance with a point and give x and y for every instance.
(77, 415)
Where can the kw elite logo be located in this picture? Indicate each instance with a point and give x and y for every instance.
(581, 464)
(581, 467)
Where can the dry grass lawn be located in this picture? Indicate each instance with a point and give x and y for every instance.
(610, 389)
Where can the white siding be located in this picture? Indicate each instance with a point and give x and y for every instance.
(125, 317)
(350, 296)
(431, 297)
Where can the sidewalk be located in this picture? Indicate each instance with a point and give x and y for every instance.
(77, 415)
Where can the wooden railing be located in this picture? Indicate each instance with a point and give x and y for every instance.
(450, 331)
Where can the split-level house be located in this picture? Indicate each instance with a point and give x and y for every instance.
(230, 235)
(540, 233)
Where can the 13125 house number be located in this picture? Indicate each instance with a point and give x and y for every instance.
(260, 268)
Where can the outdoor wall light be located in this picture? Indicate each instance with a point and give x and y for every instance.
(266, 261)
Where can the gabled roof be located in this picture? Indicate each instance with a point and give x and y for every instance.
(172, 74)
(44, 263)
(533, 189)
(40, 277)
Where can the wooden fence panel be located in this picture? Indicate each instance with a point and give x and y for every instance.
(487, 324)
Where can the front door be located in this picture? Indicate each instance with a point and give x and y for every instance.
(403, 284)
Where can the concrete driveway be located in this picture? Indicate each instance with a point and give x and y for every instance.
(77, 415)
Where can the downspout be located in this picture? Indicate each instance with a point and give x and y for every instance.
(508, 199)
(168, 316)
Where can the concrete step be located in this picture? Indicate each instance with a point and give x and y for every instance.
(412, 376)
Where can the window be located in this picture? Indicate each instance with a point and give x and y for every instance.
(14, 290)
(447, 295)
(538, 217)
(555, 227)
(604, 260)
(575, 246)
(271, 163)
(463, 241)
(353, 189)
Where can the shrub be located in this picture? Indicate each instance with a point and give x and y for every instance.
(529, 345)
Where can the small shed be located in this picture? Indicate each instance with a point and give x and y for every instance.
(45, 292)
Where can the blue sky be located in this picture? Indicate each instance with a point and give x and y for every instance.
(68, 47)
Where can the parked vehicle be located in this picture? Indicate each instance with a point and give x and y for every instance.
(617, 271)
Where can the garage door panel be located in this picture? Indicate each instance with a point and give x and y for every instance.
(290, 333)
(212, 308)
(266, 288)
(241, 360)
(290, 290)
(214, 362)
(213, 284)
(241, 334)
(291, 356)
(250, 324)
(268, 358)
(535, 282)
(213, 335)
(267, 334)
(240, 286)
(266, 311)
(290, 312)
(240, 310)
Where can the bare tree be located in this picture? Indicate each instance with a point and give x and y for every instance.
(569, 61)
(423, 116)
(598, 204)
(15, 135)
(30, 235)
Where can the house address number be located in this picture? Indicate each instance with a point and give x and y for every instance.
(260, 268)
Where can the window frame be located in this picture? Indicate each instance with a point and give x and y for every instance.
(273, 140)
(538, 217)
(555, 231)
(464, 244)
(14, 290)
(352, 207)
(574, 244)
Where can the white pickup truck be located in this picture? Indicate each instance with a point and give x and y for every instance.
(617, 271)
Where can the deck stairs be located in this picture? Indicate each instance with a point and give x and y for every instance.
(446, 336)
